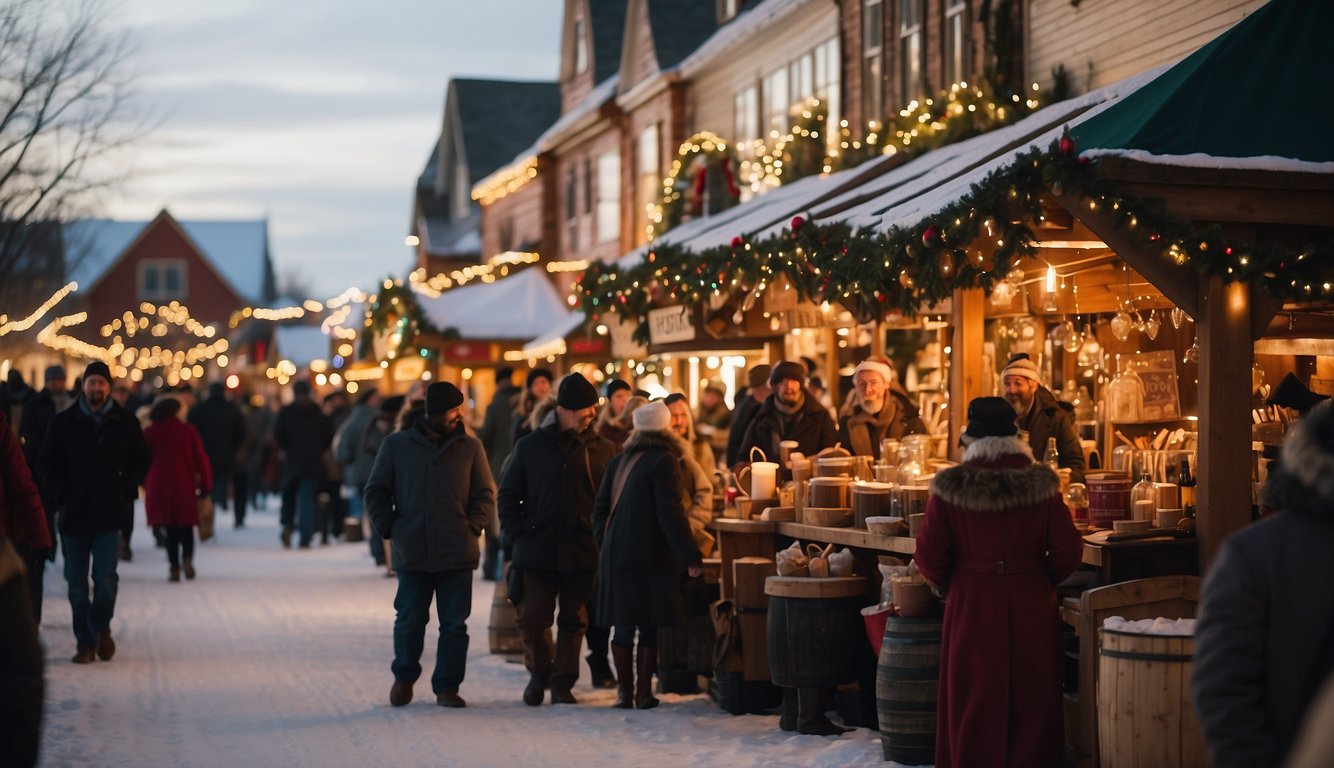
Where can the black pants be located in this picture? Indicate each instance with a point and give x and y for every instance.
(22, 689)
(543, 591)
(36, 563)
(240, 494)
(180, 543)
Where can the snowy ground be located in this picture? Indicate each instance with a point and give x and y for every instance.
(281, 658)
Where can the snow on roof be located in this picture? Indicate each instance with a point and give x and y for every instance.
(1199, 160)
(522, 306)
(301, 344)
(739, 33)
(236, 249)
(554, 336)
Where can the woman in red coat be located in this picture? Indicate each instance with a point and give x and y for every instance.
(179, 476)
(997, 538)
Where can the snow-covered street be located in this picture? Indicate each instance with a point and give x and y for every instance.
(281, 658)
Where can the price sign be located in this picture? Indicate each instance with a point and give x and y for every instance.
(1158, 371)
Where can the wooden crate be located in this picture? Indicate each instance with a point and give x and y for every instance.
(752, 607)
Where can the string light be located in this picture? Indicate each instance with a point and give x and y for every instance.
(505, 181)
(7, 326)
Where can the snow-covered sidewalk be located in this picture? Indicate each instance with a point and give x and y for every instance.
(281, 658)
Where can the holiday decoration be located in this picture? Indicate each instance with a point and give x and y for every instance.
(684, 189)
(395, 317)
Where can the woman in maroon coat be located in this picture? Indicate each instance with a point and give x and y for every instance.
(179, 476)
(997, 538)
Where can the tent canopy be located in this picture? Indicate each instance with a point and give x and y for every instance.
(522, 306)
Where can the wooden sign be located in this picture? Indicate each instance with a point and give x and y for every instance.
(670, 324)
(623, 344)
(1158, 371)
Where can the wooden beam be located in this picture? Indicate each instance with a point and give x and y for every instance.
(1224, 453)
(1264, 306)
(1178, 284)
(968, 378)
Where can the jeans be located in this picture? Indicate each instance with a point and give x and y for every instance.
(91, 616)
(453, 600)
(542, 592)
(299, 502)
(180, 543)
(625, 636)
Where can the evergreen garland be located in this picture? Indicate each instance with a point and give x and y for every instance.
(395, 308)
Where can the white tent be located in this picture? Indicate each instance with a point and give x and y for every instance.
(521, 307)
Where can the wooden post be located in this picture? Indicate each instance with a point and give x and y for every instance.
(1223, 466)
(967, 377)
(830, 372)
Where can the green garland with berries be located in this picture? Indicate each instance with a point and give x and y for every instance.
(397, 308)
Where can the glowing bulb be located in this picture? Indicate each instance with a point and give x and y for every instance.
(1051, 279)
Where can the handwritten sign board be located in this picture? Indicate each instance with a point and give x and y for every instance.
(1158, 371)
(670, 324)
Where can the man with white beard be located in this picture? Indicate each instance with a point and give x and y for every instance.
(879, 409)
(1041, 415)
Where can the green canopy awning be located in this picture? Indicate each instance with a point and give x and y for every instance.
(1261, 88)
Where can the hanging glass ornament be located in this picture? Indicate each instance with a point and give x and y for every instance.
(1152, 325)
(1178, 316)
(1059, 334)
(1121, 325)
(1193, 354)
(1073, 339)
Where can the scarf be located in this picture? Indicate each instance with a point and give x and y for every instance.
(863, 425)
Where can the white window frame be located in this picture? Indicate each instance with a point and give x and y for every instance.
(746, 119)
(777, 104)
(873, 59)
(911, 48)
(607, 220)
(159, 269)
(956, 41)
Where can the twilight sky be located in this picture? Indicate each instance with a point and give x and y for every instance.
(318, 115)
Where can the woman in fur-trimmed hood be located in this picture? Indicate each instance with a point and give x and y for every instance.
(997, 538)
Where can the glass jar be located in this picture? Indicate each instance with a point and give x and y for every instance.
(1144, 498)
(1125, 396)
(1077, 499)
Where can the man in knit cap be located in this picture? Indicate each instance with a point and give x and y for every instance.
(789, 413)
(431, 494)
(1041, 416)
(879, 409)
(93, 461)
(546, 509)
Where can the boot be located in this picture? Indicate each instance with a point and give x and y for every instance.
(811, 719)
(625, 676)
(646, 663)
(536, 689)
(175, 574)
(188, 566)
(600, 671)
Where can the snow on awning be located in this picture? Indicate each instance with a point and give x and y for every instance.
(553, 342)
(301, 344)
(519, 307)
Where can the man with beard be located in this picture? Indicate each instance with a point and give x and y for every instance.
(790, 413)
(546, 511)
(879, 409)
(93, 461)
(431, 494)
(1041, 416)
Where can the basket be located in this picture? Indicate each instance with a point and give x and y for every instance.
(828, 517)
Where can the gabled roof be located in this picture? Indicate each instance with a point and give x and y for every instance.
(679, 28)
(237, 250)
(608, 27)
(501, 118)
(755, 19)
(1208, 103)
(452, 237)
(521, 307)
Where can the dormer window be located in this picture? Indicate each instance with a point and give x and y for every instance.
(580, 47)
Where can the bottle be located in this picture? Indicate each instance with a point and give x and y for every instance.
(1186, 482)
(1051, 457)
(1143, 498)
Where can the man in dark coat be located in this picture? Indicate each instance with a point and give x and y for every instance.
(998, 538)
(546, 508)
(790, 413)
(497, 437)
(1265, 637)
(93, 461)
(646, 546)
(222, 429)
(1041, 416)
(431, 493)
(746, 408)
(879, 409)
(303, 433)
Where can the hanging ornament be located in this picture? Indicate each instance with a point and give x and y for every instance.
(1073, 340)
(1066, 145)
(1060, 333)
(1178, 316)
(797, 223)
(1193, 354)
(1152, 325)
(737, 242)
(949, 261)
(1121, 325)
(930, 235)
(905, 279)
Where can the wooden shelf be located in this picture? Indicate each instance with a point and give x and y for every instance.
(849, 537)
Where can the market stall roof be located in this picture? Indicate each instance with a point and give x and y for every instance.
(302, 344)
(553, 341)
(1271, 66)
(521, 307)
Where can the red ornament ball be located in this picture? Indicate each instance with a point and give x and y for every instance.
(1066, 146)
(737, 242)
(930, 235)
(797, 223)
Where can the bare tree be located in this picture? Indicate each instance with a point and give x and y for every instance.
(65, 109)
(294, 284)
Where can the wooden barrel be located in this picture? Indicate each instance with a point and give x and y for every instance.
(815, 629)
(503, 629)
(1145, 713)
(905, 690)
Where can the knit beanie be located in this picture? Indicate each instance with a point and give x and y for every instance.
(653, 417)
(758, 376)
(787, 370)
(1021, 365)
(442, 397)
(991, 417)
(535, 374)
(576, 393)
(615, 385)
(97, 368)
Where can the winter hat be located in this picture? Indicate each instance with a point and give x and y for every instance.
(54, 372)
(874, 366)
(787, 370)
(653, 417)
(301, 388)
(615, 385)
(217, 389)
(575, 393)
(990, 417)
(441, 398)
(758, 376)
(390, 406)
(1021, 365)
(535, 374)
(97, 368)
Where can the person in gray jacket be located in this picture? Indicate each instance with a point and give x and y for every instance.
(356, 461)
(1265, 637)
(431, 494)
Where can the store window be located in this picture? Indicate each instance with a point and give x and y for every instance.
(648, 161)
(608, 217)
(910, 50)
(746, 119)
(956, 41)
(873, 60)
(777, 104)
(162, 279)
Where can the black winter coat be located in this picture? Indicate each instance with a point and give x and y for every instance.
(1048, 419)
(92, 469)
(497, 433)
(34, 423)
(431, 497)
(741, 419)
(646, 541)
(546, 498)
(222, 429)
(304, 433)
(812, 427)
